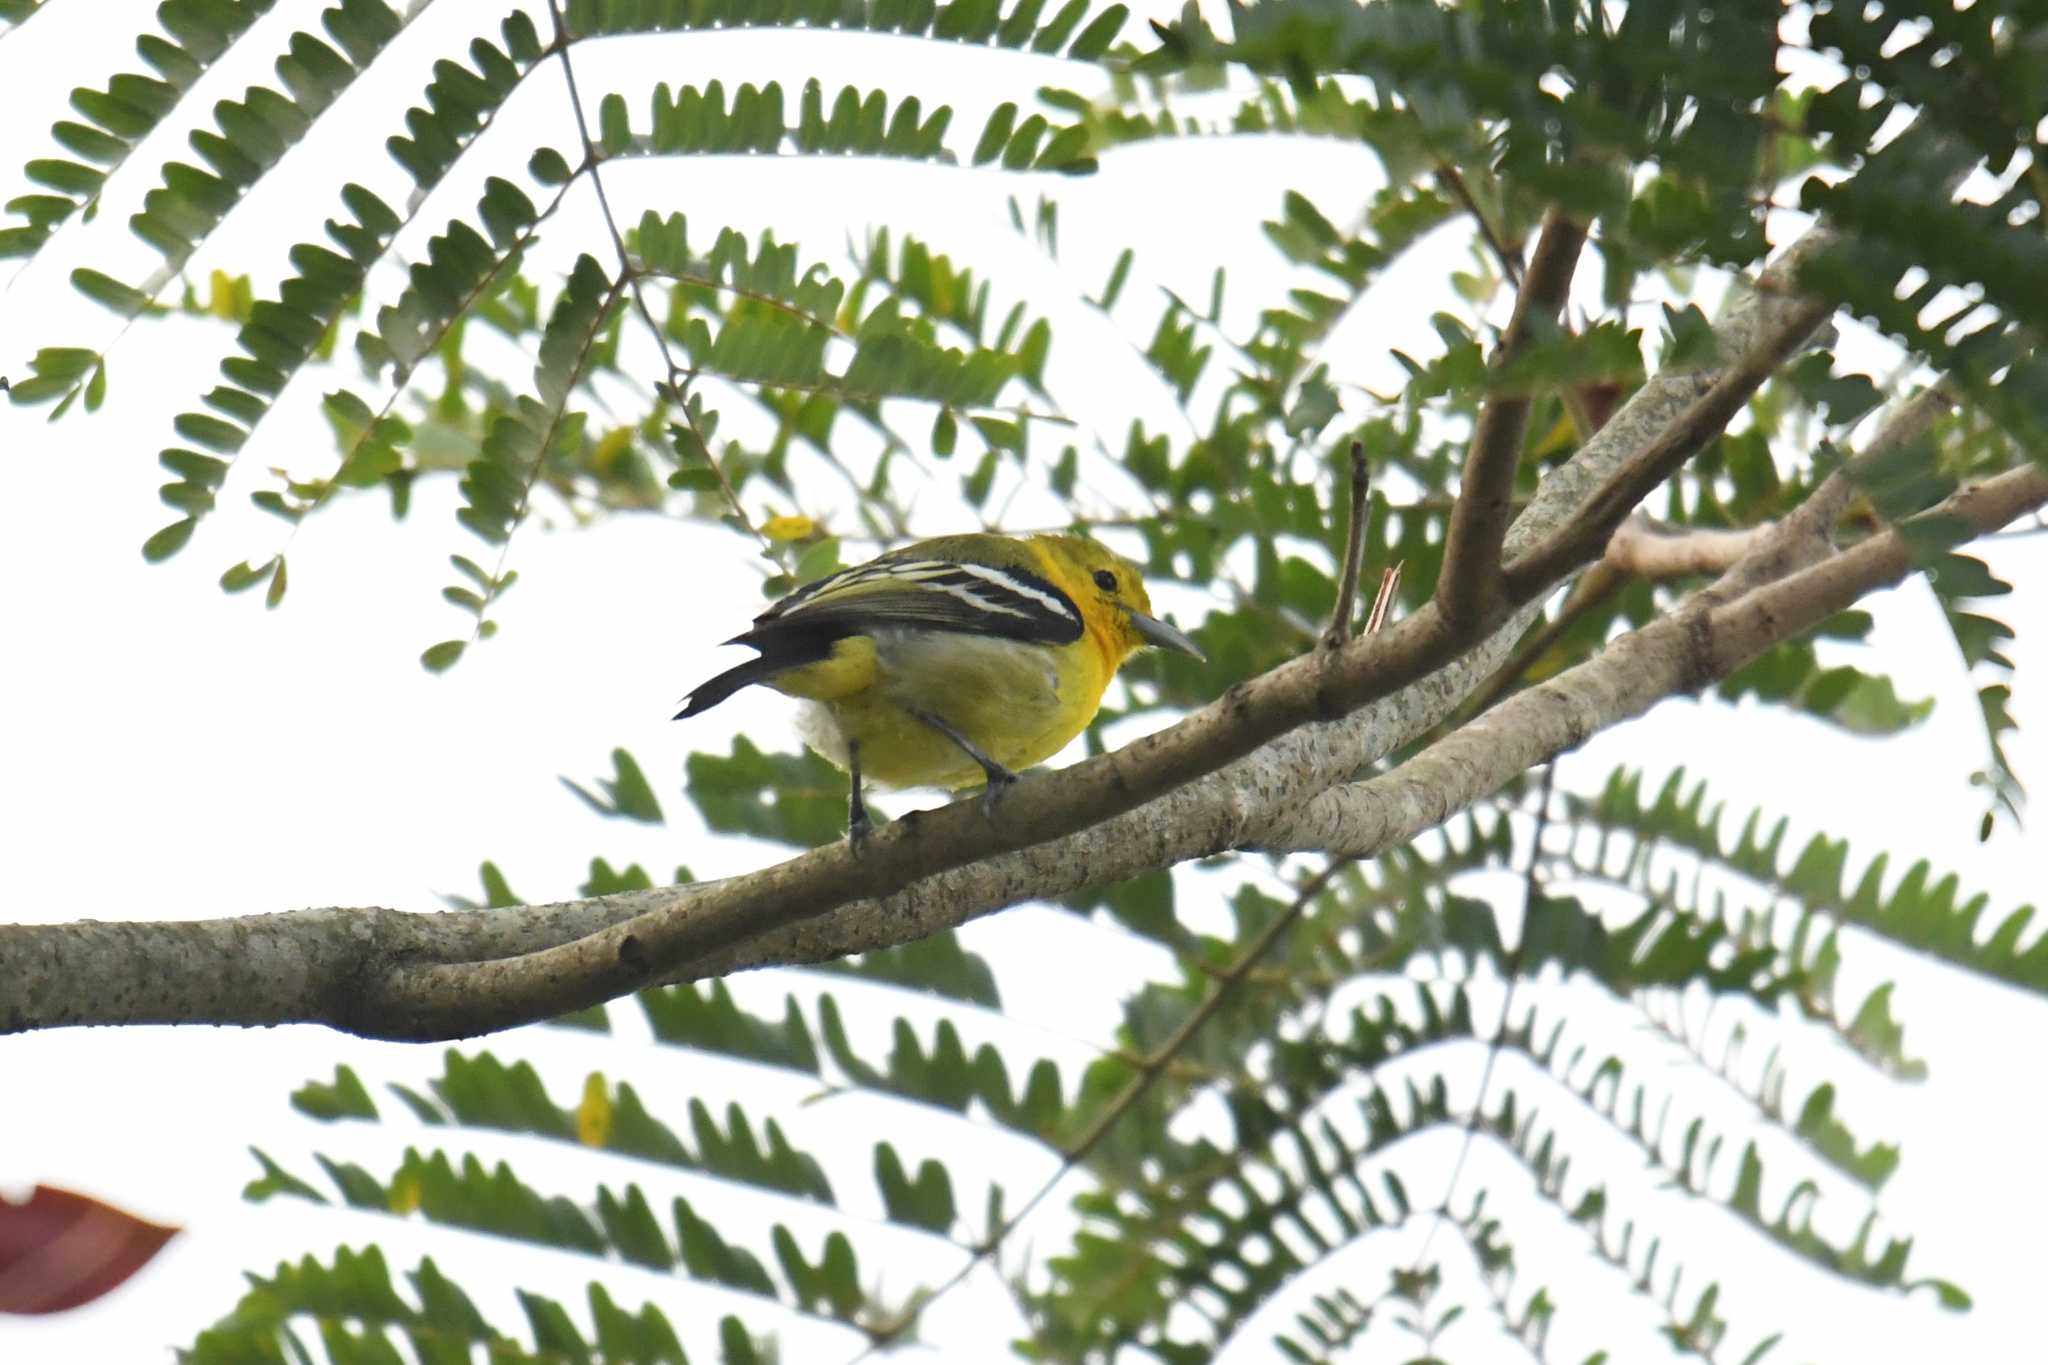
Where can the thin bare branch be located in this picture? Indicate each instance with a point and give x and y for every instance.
(1383, 600)
(1355, 528)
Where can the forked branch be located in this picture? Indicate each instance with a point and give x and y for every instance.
(1704, 641)
(1235, 772)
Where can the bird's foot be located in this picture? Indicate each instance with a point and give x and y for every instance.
(1000, 780)
(860, 827)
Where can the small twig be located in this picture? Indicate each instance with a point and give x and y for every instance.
(1383, 600)
(1354, 550)
(1447, 176)
(1149, 1067)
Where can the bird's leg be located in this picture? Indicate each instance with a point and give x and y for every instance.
(1000, 778)
(858, 823)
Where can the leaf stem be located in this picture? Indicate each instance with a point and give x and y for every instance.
(632, 274)
(1148, 1067)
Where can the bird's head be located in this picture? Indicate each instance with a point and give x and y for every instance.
(1112, 597)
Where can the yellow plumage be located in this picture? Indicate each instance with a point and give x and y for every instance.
(951, 661)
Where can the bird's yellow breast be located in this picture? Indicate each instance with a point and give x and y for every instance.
(1019, 703)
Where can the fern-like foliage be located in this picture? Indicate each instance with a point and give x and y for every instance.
(1561, 996)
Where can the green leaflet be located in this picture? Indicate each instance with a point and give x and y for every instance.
(496, 1200)
(436, 1318)
(120, 115)
(1025, 25)
(1923, 911)
(625, 795)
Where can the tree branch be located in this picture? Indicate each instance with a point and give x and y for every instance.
(1207, 784)
(1479, 519)
(1701, 643)
(1594, 586)
(1638, 549)
(1808, 529)
(1800, 538)
(1629, 484)
(1768, 317)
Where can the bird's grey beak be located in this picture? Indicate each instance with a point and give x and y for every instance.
(1166, 637)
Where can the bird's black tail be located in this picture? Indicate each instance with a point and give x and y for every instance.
(781, 648)
(709, 693)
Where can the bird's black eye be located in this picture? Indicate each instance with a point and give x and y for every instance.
(1105, 580)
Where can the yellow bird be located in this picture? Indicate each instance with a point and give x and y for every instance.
(950, 662)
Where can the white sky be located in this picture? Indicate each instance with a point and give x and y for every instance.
(174, 753)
